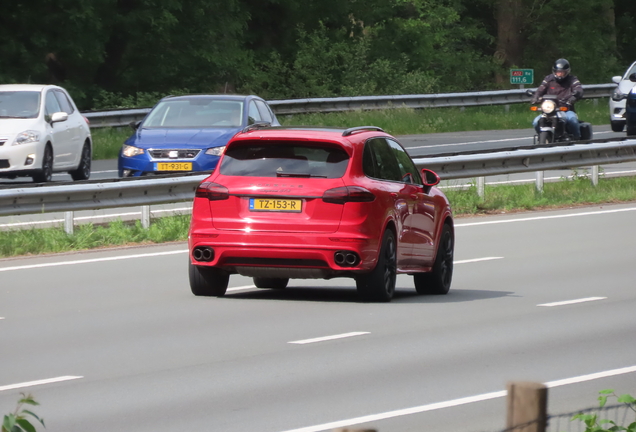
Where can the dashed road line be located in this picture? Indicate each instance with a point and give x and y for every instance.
(39, 382)
(328, 338)
(569, 302)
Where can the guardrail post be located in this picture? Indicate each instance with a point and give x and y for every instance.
(595, 175)
(539, 181)
(68, 222)
(481, 187)
(527, 407)
(145, 216)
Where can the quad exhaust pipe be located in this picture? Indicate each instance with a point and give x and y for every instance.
(203, 253)
(346, 258)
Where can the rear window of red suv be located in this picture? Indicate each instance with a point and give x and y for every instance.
(284, 159)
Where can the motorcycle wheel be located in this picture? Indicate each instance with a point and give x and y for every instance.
(545, 137)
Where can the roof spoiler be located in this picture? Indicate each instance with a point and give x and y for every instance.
(361, 128)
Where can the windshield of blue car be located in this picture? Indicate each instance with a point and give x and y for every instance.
(284, 159)
(195, 113)
(19, 104)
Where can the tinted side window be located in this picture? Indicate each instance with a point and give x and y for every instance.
(384, 163)
(65, 104)
(405, 163)
(51, 103)
(253, 114)
(265, 114)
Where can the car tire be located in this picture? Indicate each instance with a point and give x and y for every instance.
(207, 281)
(438, 281)
(45, 174)
(379, 284)
(617, 126)
(545, 137)
(631, 130)
(273, 283)
(83, 171)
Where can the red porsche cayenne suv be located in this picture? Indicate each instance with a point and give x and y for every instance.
(305, 202)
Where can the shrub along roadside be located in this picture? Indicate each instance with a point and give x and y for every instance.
(503, 198)
(398, 121)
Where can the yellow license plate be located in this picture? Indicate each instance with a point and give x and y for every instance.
(173, 166)
(281, 205)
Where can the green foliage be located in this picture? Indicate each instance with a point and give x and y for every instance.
(20, 419)
(594, 424)
(89, 236)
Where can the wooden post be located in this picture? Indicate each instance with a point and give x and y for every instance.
(527, 407)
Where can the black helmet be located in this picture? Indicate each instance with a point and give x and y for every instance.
(561, 65)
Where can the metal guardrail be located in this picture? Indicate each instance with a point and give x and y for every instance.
(134, 192)
(530, 160)
(120, 118)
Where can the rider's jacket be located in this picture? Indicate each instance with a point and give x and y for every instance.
(568, 91)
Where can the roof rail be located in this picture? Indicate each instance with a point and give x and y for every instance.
(360, 128)
(257, 125)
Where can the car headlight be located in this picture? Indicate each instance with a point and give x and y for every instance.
(617, 95)
(215, 151)
(547, 106)
(27, 137)
(130, 151)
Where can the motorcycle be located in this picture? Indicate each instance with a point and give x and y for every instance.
(552, 123)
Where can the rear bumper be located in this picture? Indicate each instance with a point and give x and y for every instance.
(294, 255)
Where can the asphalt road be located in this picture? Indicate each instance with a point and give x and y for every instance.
(128, 347)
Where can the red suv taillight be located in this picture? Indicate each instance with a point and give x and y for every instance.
(212, 191)
(345, 194)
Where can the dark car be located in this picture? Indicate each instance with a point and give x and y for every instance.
(189, 133)
(320, 203)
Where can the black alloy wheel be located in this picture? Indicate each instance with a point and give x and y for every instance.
(207, 281)
(545, 137)
(379, 284)
(438, 281)
(83, 171)
(45, 174)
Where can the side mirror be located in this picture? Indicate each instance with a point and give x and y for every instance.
(134, 124)
(617, 79)
(632, 77)
(430, 177)
(59, 117)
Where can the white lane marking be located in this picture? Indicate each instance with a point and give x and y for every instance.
(242, 288)
(81, 218)
(467, 143)
(327, 338)
(485, 142)
(569, 302)
(39, 382)
(459, 186)
(477, 260)
(116, 258)
(1, 317)
(546, 217)
(454, 402)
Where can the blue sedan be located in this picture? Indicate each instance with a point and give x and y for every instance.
(189, 133)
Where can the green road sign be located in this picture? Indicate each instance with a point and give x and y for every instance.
(521, 76)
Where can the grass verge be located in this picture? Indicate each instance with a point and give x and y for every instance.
(576, 191)
(398, 121)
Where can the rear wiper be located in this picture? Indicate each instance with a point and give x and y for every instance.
(307, 175)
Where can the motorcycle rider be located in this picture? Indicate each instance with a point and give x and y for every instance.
(568, 90)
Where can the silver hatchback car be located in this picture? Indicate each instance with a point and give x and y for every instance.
(42, 132)
(617, 107)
